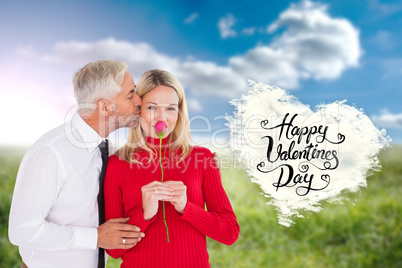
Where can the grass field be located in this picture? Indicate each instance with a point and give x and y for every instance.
(364, 232)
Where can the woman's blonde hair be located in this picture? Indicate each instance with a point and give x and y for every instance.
(180, 138)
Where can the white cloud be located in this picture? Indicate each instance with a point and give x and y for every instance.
(387, 119)
(314, 45)
(211, 79)
(194, 105)
(191, 18)
(248, 31)
(142, 56)
(268, 65)
(392, 68)
(225, 25)
(384, 40)
(384, 9)
(198, 76)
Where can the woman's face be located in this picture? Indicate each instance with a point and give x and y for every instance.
(160, 104)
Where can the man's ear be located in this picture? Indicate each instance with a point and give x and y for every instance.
(102, 107)
(111, 107)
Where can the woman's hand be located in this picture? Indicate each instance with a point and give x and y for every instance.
(151, 194)
(179, 200)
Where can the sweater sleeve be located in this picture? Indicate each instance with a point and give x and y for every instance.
(114, 203)
(219, 221)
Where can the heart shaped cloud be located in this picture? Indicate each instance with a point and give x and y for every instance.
(301, 157)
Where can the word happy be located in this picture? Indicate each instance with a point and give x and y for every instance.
(293, 163)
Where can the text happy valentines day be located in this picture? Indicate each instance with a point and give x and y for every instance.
(304, 155)
(314, 137)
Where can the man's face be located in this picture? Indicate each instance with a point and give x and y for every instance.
(127, 105)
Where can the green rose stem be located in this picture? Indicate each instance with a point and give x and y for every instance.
(160, 128)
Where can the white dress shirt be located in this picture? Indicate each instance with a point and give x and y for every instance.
(54, 211)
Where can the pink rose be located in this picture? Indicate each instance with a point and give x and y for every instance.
(160, 128)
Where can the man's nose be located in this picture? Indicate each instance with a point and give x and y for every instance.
(137, 100)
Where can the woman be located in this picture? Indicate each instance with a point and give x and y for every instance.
(171, 213)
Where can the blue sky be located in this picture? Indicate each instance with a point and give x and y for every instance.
(322, 51)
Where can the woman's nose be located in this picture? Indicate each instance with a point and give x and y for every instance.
(161, 115)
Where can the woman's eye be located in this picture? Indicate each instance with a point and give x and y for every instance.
(151, 107)
(171, 109)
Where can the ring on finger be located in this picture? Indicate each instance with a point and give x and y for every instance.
(124, 241)
(156, 191)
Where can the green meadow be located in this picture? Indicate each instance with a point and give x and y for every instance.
(365, 231)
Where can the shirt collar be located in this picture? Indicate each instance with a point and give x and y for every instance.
(90, 138)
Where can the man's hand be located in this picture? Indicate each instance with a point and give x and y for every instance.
(216, 161)
(112, 233)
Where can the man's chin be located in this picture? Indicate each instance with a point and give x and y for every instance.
(134, 122)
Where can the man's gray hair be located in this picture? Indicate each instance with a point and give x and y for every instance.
(97, 80)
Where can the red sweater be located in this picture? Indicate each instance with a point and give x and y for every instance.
(187, 231)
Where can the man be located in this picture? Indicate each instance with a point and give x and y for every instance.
(54, 211)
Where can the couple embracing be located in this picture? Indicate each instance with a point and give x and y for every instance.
(145, 203)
